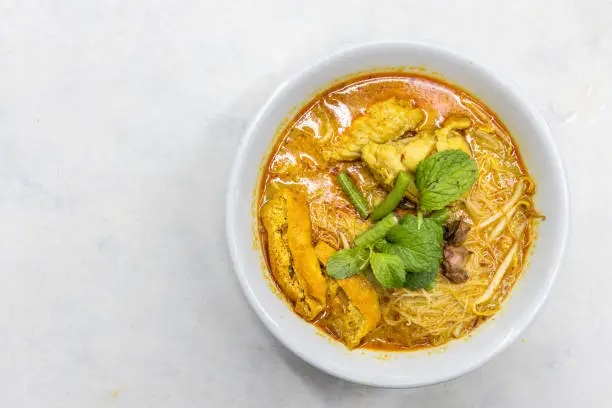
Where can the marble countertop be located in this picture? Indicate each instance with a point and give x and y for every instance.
(118, 123)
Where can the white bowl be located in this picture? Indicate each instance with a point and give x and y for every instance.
(400, 369)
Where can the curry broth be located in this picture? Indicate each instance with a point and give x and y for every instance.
(297, 161)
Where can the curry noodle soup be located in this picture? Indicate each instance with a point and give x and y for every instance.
(395, 212)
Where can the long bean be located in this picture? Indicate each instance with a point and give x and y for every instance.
(394, 197)
(353, 194)
(378, 231)
(440, 216)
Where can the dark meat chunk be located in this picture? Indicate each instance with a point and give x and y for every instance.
(455, 232)
(405, 207)
(453, 263)
(406, 204)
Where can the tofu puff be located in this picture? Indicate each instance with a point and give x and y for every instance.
(292, 258)
(353, 307)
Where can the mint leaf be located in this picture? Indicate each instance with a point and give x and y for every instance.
(413, 281)
(386, 247)
(444, 177)
(419, 249)
(347, 262)
(416, 281)
(388, 270)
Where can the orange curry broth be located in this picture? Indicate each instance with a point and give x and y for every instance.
(347, 101)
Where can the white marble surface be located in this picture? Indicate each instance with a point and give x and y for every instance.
(118, 123)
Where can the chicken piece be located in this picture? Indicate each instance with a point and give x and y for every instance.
(387, 160)
(452, 140)
(382, 122)
(292, 257)
(384, 160)
(448, 137)
(457, 123)
(355, 310)
(414, 149)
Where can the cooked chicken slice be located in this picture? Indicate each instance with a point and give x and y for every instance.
(457, 123)
(452, 140)
(382, 122)
(292, 257)
(388, 120)
(449, 138)
(387, 160)
(414, 149)
(355, 310)
(384, 160)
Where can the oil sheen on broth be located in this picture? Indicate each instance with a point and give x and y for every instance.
(305, 216)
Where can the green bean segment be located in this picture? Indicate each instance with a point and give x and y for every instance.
(353, 194)
(394, 197)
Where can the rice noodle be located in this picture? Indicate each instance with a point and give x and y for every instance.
(518, 192)
(502, 224)
(345, 241)
(451, 310)
(501, 270)
(489, 140)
